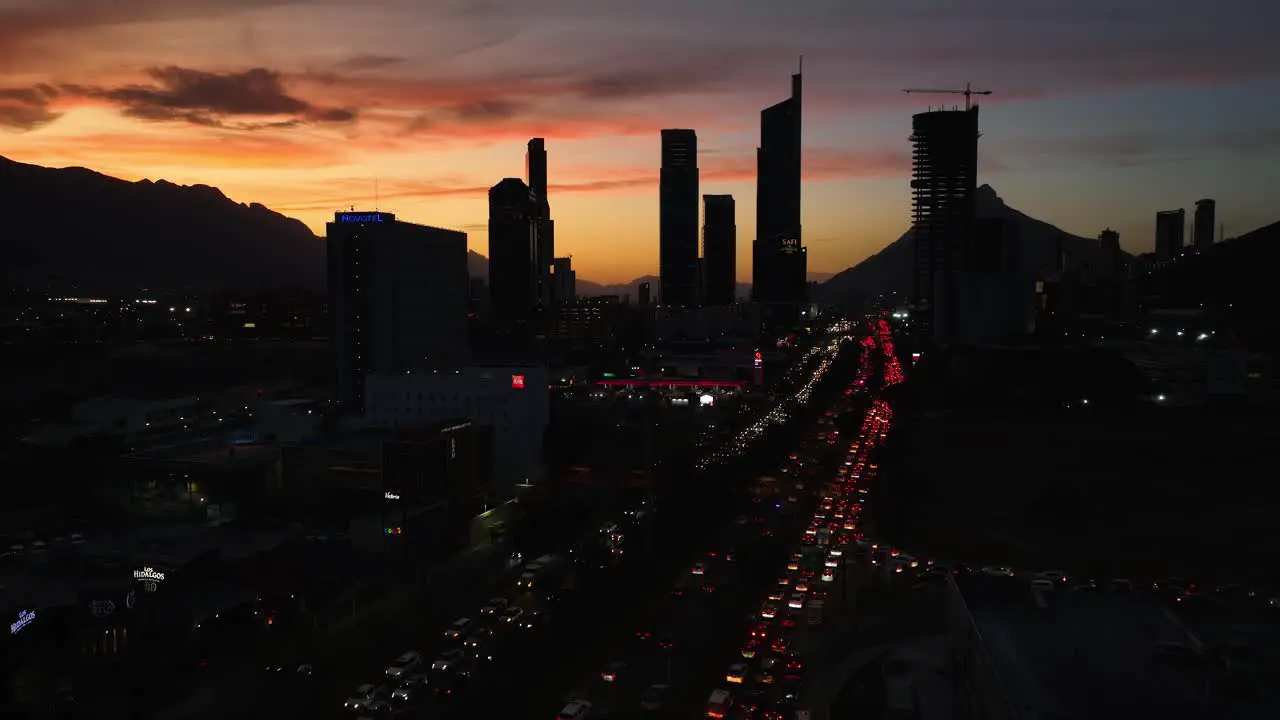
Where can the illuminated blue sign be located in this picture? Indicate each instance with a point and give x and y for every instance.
(364, 217)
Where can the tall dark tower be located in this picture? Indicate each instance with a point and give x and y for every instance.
(678, 219)
(535, 168)
(1204, 224)
(513, 242)
(719, 250)
(943, 185)
(779, 260)
(1171, 226)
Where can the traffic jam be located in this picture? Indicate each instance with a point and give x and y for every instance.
(765, 680)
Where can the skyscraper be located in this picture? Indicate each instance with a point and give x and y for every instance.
(563, 280)
(719, 249)
(398, 299)
(678, 219)
(779, 260)
(1171, 228)
(943, 184)
(513, 242)
(535, 165)
(1204, 224)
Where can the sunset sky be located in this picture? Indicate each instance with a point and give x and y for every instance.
(1103, 112)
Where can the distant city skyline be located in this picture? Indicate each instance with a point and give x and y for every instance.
(1095, 120)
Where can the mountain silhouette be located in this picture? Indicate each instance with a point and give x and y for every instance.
(76, 227)
(1040, 247)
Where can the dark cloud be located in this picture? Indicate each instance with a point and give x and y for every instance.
(25, 30)
(357, 63)
(214, 99)
(1135, 149)
(639, 84)
(489, 111)
(27, 108)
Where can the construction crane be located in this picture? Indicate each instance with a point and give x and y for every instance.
(968, 92)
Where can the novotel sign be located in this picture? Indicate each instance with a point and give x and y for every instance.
(148, 573)
(359, 218)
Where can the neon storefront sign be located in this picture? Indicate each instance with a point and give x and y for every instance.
(25, 618)
(148, 573)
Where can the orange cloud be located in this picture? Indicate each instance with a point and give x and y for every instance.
(215, 149)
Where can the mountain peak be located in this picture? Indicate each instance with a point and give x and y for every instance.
(1039, 249)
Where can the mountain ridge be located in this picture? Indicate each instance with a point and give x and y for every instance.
(77, 227)
(1039, 244)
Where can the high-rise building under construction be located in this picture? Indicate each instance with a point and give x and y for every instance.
(943, 187)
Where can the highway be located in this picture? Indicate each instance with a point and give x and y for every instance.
(681, 651)
(531, 669)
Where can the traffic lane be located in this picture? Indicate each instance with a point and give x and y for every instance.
(362, 653)
(533, 677)
(706, 627)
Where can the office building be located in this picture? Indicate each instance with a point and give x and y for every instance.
(514, 400)
(678, 219)
(645, 294)
(398, 299)
(591, 322)
(563, 281)
(1109, 241)
(545, 239)
(943, 184)
(779, 260)
(719, 250)
(1204, 224)
(1170, 233)
(513, 242)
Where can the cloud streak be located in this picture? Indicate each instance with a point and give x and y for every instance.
(212, 99)
(821, 164)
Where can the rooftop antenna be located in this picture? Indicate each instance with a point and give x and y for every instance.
(375, 193)
(802, 63)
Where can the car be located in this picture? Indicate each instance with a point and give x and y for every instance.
(776, 595)
(699, 569)
(737, 673)
(575, 710)
(719, 704)
(364, 696)
(765, 674)
(531, 620)
(781, 645)
(459, 629)
(654, 698)
(494, 606)
(477, 638)
(769, 612)
(828, 576)
(678, 590)
(644, 634)
(409, 688)
(708, 587)
(451, 685)
(666, 641)
(752, 648)
(511, 614)
(448, 660)
(376, 710)
(801, 586)
(611, 671)
(796, 602)
(403, 665)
